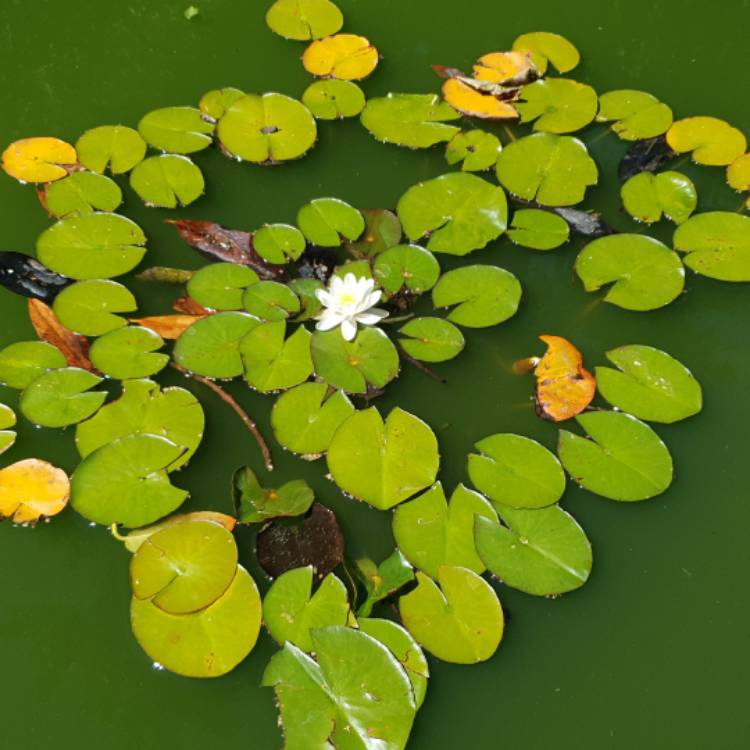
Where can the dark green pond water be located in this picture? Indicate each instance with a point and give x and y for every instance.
(652, 652)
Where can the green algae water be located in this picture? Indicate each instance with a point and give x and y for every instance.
(649, 653)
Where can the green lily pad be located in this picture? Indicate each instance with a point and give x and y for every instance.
(216, 102)
(306, 290)
(475, 150)
(553, 170)
(167, 181)
(406, 266)
(177, 130)
(557, 105)
(291, 610)
(647, 196)
(460, 621)
(23, 362)
(256, 504)
(516, 471)
(431, 339)
(546, 48)
(211, 346)
(92, 246)
(126, 481)
(332, 99)
(738, 174)
(635, 115)
(184, 567)
(538, 229)
(371, 359)
(59, 398)
(304, 19)
(89, 307)
(431, 533)
(270, 300)
(143, 408)
(279, 243)
(382, 580)
(361, 269)
(82, 192)
(129, 352)
(7, 419)
(219, 286)
(354, 695)
(460, 213)
(305, 418)
(623, 460)
(543, 551)
(383, 464)
(115, 146)
(208, 643)
(645, 274)
(327, 221)
(717, 244)
(480, 296)
(711, 141)
(412, 120)
(649, 384)
(267, 128)
(382, 230)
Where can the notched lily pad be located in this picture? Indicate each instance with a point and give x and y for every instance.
(220, 286)
(167, 181)
(711, 141)
(431, 339)
(178, 130)
(82, 192)
(475, 150)
(332, 99)
(304, 19)
(90, 307)
(326, 222)
(216, 102)
(7, 419)
(558, 105)
(647, 197)
(116, 147)
(408, 267)
(41, 159)
(129, 352)
(381, 581)
(545, 47)
(382, 231)
(538, 229)
(635, 115)
(256, 504)
(273, 362)
(23, 362)
(279, 243)
(270, 301)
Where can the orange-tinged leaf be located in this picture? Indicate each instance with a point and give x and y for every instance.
(32, 489)
(38, 159)
(563, 387)
(506, 68)
(75, 348)
(188, 306)
(474, 103)
(168, 326)
(345, 56)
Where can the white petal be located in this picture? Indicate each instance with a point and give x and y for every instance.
(372, 299)
(324, 297)
(328, 320)
(348, 329)
(337, 285)
(371, 317)
(350, 280)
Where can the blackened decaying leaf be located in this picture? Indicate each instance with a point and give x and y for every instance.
(75, 348)
(315, 540)
(317, 263)
(26, 276)
(648, 155)
(586, 223)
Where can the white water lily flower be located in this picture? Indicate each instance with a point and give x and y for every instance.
(349, 301)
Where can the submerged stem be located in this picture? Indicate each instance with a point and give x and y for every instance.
(421, 366)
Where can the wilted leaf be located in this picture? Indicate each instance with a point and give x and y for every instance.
(347, 57)
(168, 326)
(304, 19)
(471, 101)
(89, 307)
(557, 105)
(648, 155)
(477, 150)
(31, 490)
(538, 229)
(256, 504)
(24, 275)
(41, 159)
(647, 196)
(332, 99)
(167, 181)
(431, 339)
(636, 114)
(382, 580)
(711, 141)
(74, 348)
(545, 47)
(178, 130)
(115, 146)
(507, 68)
(82, 192)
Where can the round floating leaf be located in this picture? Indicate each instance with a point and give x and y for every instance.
(23, 362)
(460, 213)
(304, 19)
(476, 150)
(92, 246)
(179, 130)
(270, 300)
(480, 296)
(306, 290)
(382, 230)
(129, 352)
(517, 471)
(636, 114)
(332, 99)
(382, 580)
(219, 286)
(348, 57)
(356, 695)
(646, 273)
(89, 307)
(431, 339)
(553, 170)
(325, 221)
(185, 566)
(383, 464)
(623, 460)
(647, 196)
(542, 552)
(273, 363)
(256, 504)
(717, 244)
(267, 128)
(371, 359)
(31, 490)
(173, 413)
(208, 643)
(406, 266)
(216, 102)
(279, 243)
(7, 419)
(461, 621)
(211, 345)
(712, 141)
(545, 48)
(114, 146)
(304, 420)
(413, 120)
(538, 229)
(82, 192)
(432, 533)
(134, 539)
(167, 181)
(126, 482)
(291, 610)
(738, 173)
(38, 159)
(59, 398)
(650, 384)
(558, 105)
